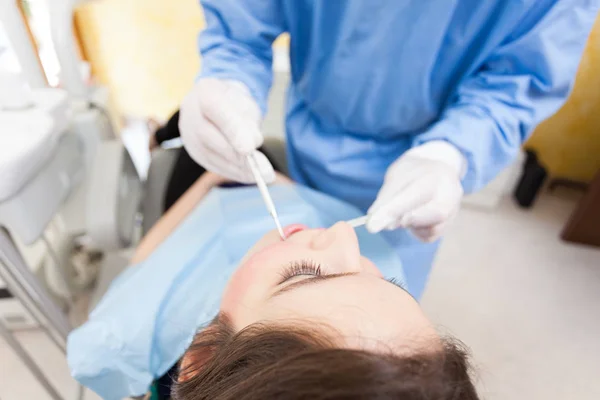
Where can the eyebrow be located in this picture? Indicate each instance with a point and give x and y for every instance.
(318, 279)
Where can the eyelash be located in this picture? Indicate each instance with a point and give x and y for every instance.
(396, 282)
(310, 267)
(297, 268)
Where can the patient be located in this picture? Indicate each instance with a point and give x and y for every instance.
(310, 318)
(305, 318)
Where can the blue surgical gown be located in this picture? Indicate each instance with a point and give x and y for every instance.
(373, 78)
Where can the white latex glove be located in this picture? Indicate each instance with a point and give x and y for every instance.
(219, 123)
(421, 191)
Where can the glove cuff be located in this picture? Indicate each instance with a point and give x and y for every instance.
(239, 87)
(442, 151)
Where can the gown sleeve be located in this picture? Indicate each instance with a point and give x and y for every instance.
(237, 42)
(524, 81)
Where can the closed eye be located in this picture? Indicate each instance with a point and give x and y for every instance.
(400, 284)
(299, 268)
(396, 282)
(318, 278)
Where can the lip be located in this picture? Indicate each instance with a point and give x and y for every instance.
(292, 229)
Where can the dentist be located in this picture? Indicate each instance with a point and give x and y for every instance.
(396, 106)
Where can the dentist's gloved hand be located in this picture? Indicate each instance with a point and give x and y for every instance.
(219, 123)
(421, 191)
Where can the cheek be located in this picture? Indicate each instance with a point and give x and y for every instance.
(267, 241)
(255, 278)
(235, 290)
(370, 268)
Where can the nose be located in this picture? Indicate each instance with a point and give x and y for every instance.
(340, 234)
(340, 244)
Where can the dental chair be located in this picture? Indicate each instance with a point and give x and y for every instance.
(38, 168)
(48, 157)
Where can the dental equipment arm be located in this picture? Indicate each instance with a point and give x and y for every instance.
(61, 24)
(12, 20)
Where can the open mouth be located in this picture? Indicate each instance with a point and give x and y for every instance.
(292, 229)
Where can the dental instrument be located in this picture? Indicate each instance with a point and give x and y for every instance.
(264, 191)
(358, 222)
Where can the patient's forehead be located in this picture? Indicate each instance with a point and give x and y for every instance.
(364, 312)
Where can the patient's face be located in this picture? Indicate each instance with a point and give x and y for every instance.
(317, 276)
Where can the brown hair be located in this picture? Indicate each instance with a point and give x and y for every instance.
(276, 362)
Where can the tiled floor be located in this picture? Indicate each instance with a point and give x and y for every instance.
(527, 304)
